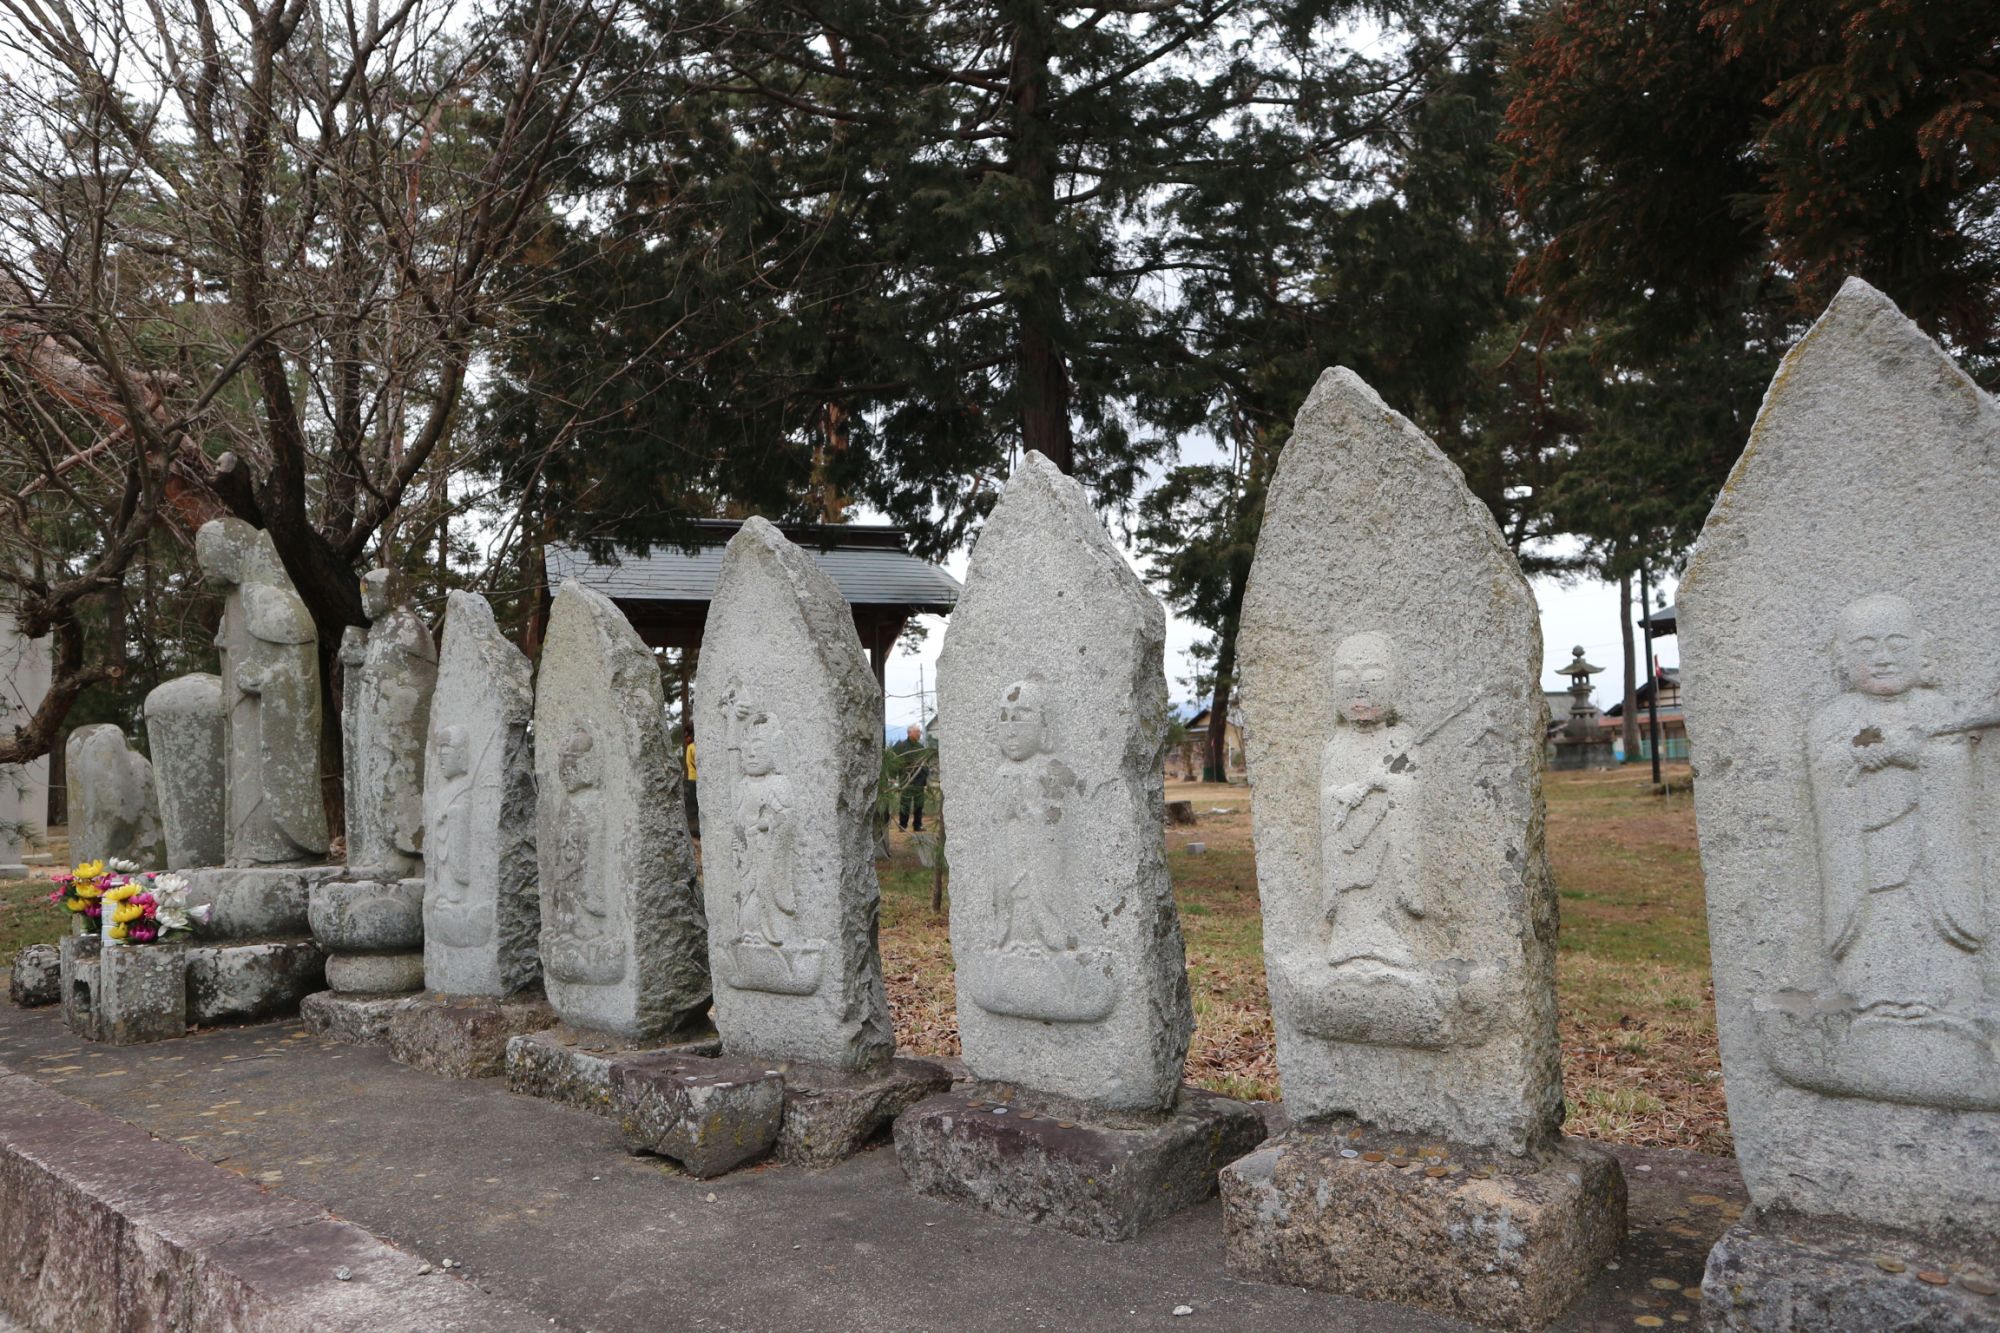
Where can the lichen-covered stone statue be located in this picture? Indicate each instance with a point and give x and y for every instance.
(1072, 982)
(624, 944)
(184, 731)
(1838, 626)
(274, 812)
(1395, 729)
(391, 671)
(113, 813)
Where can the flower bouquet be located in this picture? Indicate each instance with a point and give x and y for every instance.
(129, 905)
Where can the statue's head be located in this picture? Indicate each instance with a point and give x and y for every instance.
(763, 743)
(375, 594)
(1879, 646)
(453, 752)
(1024, 719)
(576, 759)
(219, 548)
(1364, 679)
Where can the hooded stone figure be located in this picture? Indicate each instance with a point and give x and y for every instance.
(273, 810)
(391, 673)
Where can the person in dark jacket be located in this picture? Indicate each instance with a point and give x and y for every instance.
(912, 751)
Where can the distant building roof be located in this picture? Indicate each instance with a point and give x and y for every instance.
(1662, 622)
(870, 565)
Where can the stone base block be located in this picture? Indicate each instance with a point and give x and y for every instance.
(367, 915)
(81, 981)
(709, 1114)
(143, 993)
(573, 1067)
(358, 1020)
(36, 979)
(247, 983)
(248, 902)
(398, 974)
(15, 870)
(1781, 1274)
(1461, 1233)
(1024, 1156)
(463, 1036)
(832, 1114)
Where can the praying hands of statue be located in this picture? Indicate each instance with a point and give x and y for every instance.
(1875, 750)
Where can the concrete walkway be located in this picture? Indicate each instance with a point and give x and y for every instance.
(541, 1207)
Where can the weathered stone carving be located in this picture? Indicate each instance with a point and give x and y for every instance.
(184, 731)
(113, 813)
(390, 672)
(624, 945)
(1052, 701)
(273, 808)
(1837, 629)
(791, 749)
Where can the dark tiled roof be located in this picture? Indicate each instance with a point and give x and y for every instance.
(868, 570)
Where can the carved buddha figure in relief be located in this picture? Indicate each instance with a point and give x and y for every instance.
(763, 825)
(452, 914)
(1895, 799)
(1034, 789)
(583, 943)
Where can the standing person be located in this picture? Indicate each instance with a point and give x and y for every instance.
(912, 750)
(688, 776)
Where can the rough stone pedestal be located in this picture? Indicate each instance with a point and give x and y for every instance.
(709, 1115)
(573, 1065)
(251, 981)
(1027, 1156)
(355, 1018)
(254, 902)
(1786, 1273)
(81, 983)
(36, 978)
(833, 1113)
(1470, 1234)
(463, 1036)
(142, 993)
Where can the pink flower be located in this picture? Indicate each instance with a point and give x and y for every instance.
(96, 909)
(143, 899)
(143, 934)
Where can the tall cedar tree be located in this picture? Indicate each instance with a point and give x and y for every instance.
(853, 248)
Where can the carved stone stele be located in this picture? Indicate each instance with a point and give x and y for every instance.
(1838, 624)
(788, 720)
(113, 814)
(390, 673)
(482, 909)
(273, 810)
(1072, 976)
(624, 943)
(1394, 727)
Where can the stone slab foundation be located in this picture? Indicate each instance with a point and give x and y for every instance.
(1791, 1274)
(251, 981)
(463, 1036)
(358, 1020)
(832, 1114)
(710, 1114)
(573, 1066)
(1468, 1234)
(151, 1237)
(1040, 1159)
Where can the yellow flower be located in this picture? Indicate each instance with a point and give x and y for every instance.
(127, 912)
(84, 890)
(121, 893)
(74, 904)
(117, 932)
(90, 870)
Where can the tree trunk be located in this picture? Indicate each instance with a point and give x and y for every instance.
(1041, 377)
(1216, 763)
(1629, 718)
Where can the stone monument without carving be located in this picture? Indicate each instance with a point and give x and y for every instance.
(791, 752)
(25, 669)
(624, 944)
(481, 906)
(113, 813)
(184, 732)
(1396, 731)
(1072, 982)
(1838, 622)
(370, 920)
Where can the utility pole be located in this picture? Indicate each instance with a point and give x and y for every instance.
(1653, 670)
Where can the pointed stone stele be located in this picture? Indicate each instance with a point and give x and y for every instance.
(1395, 729)
(1838, 624)
(789, 717)
(624, 943)
(113, 812)
(25, 670)
(184, 733)
(1073, 1004)
(482, 905)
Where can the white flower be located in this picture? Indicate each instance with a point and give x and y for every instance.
(124, 867)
